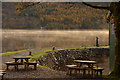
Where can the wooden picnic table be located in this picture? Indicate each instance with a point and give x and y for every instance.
(84, 66)
(21, 58)
(85, 62)
(23, 61)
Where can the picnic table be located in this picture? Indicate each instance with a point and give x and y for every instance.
(21, 58)
(90, 64)
(84, 65)
(21, 61)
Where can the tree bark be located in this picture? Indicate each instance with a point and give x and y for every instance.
(115, 9)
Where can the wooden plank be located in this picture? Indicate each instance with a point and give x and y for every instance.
(85, 61)
(71, 65)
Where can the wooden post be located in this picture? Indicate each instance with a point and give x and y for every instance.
(53, 48)
(30, 53)
(97, 44)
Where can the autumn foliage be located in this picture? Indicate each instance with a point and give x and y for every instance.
(52, 16)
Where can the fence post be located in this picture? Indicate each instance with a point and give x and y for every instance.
(30, 53)
(97, 44)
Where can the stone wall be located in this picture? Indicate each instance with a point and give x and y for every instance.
(58, 59)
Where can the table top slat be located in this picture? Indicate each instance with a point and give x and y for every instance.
(85, 61)
(21, 58)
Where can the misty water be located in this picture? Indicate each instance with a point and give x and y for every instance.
(13, 40)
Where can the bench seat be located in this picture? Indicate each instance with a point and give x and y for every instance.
(97, 70)
(71, 65)
(11, 64)
(31, 63)
(74, 68)
(15, 64)
(2, 73)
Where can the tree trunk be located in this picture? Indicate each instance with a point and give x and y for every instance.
(115, 8)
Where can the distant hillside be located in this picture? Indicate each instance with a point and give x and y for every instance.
(53, 16)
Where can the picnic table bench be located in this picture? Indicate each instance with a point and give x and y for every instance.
(97, 70)
(31, 63)
(2, 73)
(76, 69)
(15, 64)
(23, 61)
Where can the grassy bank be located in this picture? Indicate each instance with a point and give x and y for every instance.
(46, 67)
(14, 52)
(87, 47)
(35, 56)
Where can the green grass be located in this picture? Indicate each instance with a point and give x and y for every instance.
(46, 67)
(35, 56)
(87, 47)
(13, 52)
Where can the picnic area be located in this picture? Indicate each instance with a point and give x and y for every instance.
(28, 64)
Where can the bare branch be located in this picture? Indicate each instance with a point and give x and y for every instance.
(28, 5)
(97, 7)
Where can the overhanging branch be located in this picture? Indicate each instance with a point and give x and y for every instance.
(28, 5)
(33, 4)
(97, 7)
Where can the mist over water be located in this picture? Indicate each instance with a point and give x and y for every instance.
(13, 40)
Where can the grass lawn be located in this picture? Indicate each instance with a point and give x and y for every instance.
(35, 56)
(87, 47)
(45, 67)
(13, 52)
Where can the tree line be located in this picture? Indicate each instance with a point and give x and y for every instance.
(53, 16)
